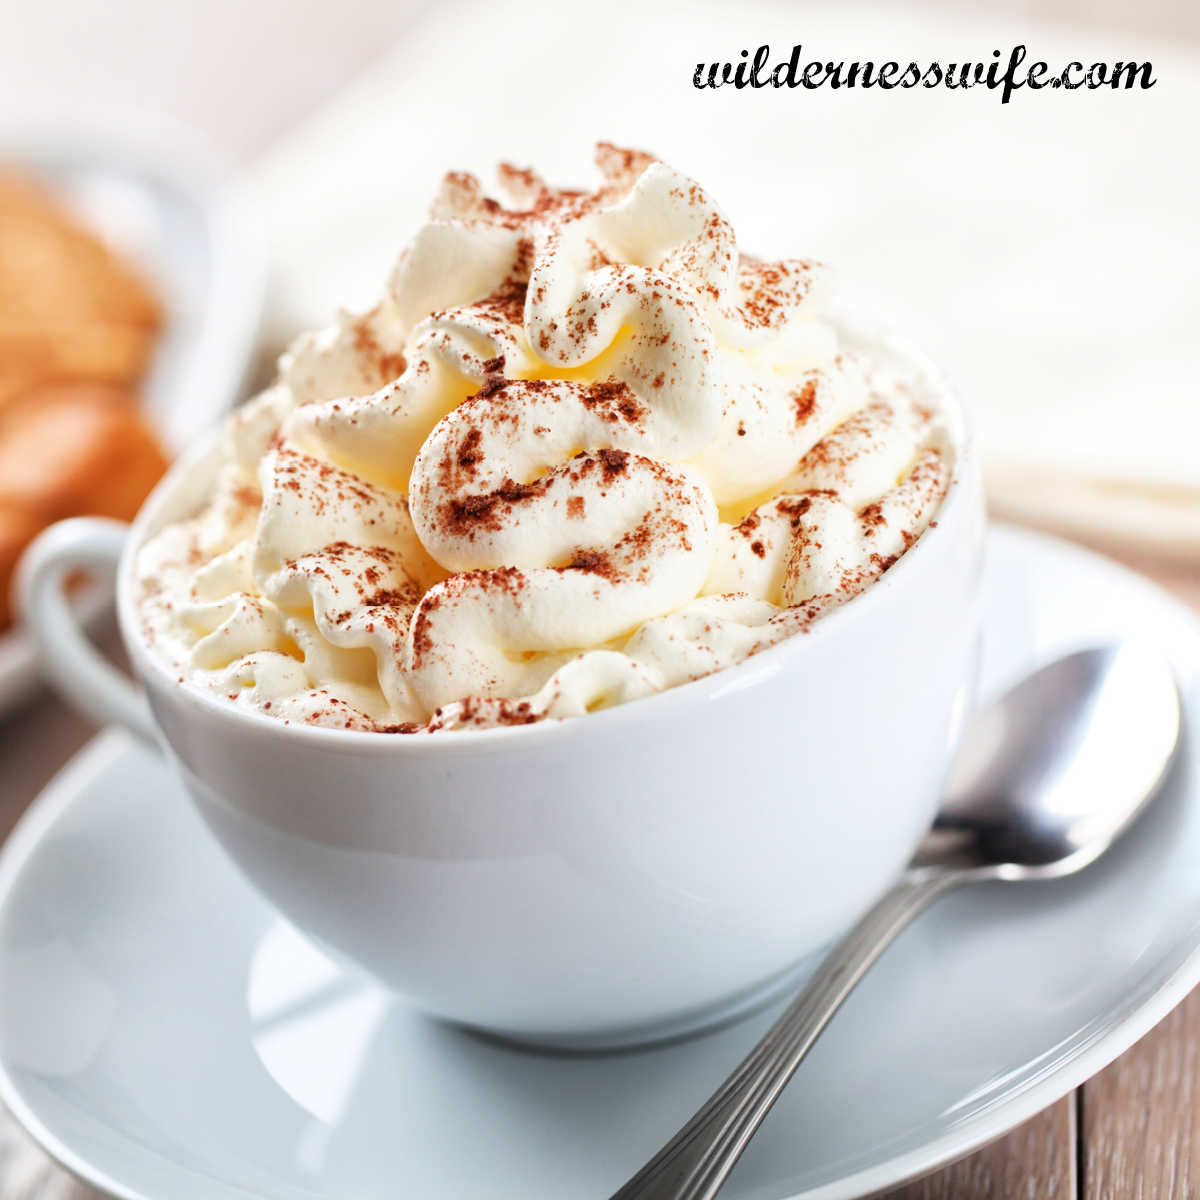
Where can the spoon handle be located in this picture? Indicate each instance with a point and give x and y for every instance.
(697, 1160)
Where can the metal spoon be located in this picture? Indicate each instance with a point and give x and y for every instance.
(1047, 778)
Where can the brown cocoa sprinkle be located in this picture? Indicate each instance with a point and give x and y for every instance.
(508, 581)
(470, 508)
(481, 711)
(575, 507)
(469, 453)
(806, 401)
(400, 597)
(321, 483)
(385, 365)
(614, 462)
(759, 549)
(422, 642)
(524, 260)
(507, 303)
(640, 540)
(741, 429)
(617, 160)
(872, 518)
(795, 507)
(594, 561)
(494, 366)
(490, 386)
(520, 713)
(481, 510)
(614, 399)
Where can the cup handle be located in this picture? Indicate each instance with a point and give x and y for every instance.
(76, 668)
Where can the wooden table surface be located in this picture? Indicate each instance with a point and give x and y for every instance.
(1130, 1133)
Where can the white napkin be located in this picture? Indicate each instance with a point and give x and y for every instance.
(1045, 250)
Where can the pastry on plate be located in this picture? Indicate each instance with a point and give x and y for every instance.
(78, 326)
(105, 458)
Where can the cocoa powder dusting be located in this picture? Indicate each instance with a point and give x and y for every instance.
(594, 561)
(806, 401)
(614, 462)
(469, 452)
(383, 364)
(615, 400)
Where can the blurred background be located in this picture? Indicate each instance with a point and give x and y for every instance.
(250, 165)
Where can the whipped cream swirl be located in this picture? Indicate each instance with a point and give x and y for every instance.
(581, 451)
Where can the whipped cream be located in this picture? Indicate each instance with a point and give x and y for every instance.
(581, 451)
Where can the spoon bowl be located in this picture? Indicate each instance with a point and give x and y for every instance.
(1052, 773)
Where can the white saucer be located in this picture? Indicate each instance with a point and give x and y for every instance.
(163, 1034)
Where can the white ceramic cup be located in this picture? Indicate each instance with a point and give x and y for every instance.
(611, 879)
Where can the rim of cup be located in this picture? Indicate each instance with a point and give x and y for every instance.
(714, 687)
